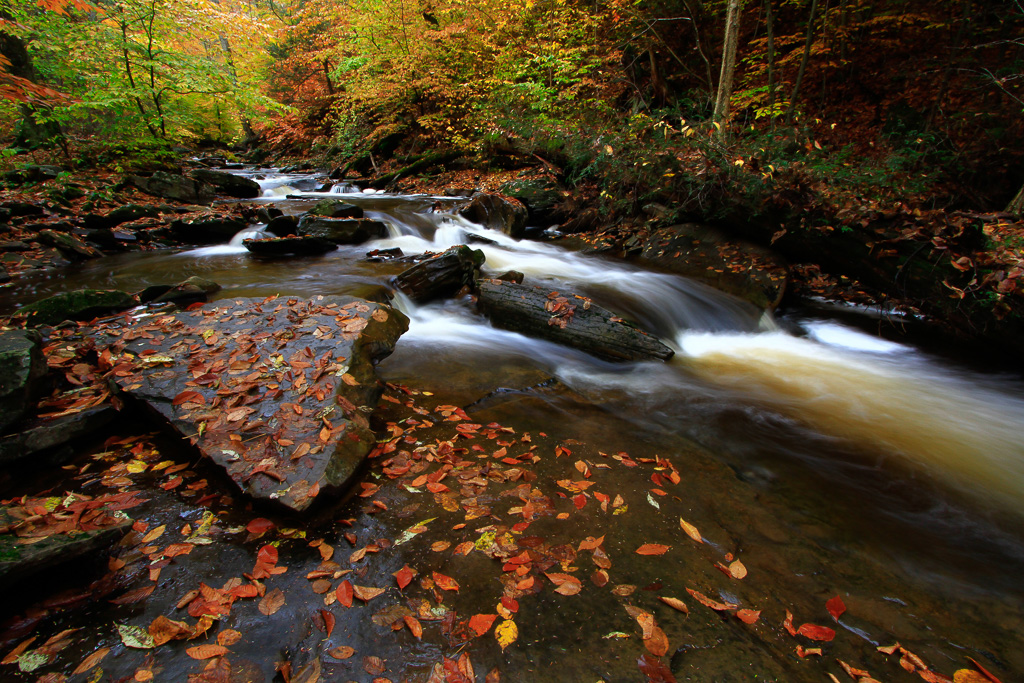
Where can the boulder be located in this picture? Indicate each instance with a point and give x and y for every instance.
(275, 391)
(122, 214)
(33, 173)
(80, 304)
(228, 183)
(173, 186)
(496, 212)
(213, 229)
(49, 434)
(307, 245)
(567, 319)
(184, 293)
(342, 230)
(283, 225)
(335, 208)
(22, 368)
(68, 245)
(441, 275)
(703, 253)
(15, 208)
(541, 196)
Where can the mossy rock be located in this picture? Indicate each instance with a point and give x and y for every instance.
(80, 304)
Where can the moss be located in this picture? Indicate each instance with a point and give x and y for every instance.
(80, 304)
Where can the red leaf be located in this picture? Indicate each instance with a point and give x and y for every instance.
(403, 577)
(748, 616)
(328, 621)
(655, 670)
(835, 607)
(260, 525)
(815, 632)
(481, 623)
(345, 593)
(652, 549)
(445, 582)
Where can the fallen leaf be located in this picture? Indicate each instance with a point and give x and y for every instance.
(815, 632)
(748, 616)
(708, 602)
(481, 623)
(373, 665)
(803, 652)
(92, 660)
(344, 593)
(506, 633)
(988, 674)
(366, 593)
(329, 620)
(835, 607)
(969, 676)
(404, 576)
(690, 530)
(272, 602)
(228, 637)
(415, 627)
(135, 636)
(566, 583)
(341, 652)
(445, 582)
(652, 549)
(206, 651)
(675, 603)
(737, 570)
(655, 670)
(657, 644)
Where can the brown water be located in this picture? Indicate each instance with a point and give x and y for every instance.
(830, 461)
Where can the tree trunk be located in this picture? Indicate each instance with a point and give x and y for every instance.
(1016, 205)
(803, 62)
(31, 132)
(732, 37)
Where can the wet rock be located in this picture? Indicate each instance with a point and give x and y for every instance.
(49, 434)
(33, 174)
(111, 240)
(541, 196)
(15, 246)
(265, 214)
(22, 368)
(496, 212)
(581, 221)
(703, 253)
(283, 225)
(22, 556)
(184, 293)
(512, 276)
(228, 183)
(214, 229)
(473, 238)
(307, 245)
(378, 255)
(335, 208)
(69, 245)
(441, 275)
(276, 391)
(15, 208)
(80, 304)
(122, 214)
(342, 230)
(567, 319)
(173, 186)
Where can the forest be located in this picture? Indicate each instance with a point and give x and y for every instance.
(522, 340)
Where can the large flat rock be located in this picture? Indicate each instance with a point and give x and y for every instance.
(276, 391)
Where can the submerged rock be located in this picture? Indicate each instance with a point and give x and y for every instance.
(496, 212)
(440, 275)
(335, 208)
(342, 230)
(307, 245)
(228, 183)
(22, 366)
(567, 319)
(49, 434)
(276, 391)
(80, 304)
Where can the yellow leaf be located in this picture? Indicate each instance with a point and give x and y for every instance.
(690, 530)
(506, 633)
(136, 466)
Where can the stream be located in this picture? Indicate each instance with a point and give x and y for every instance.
(902, 472)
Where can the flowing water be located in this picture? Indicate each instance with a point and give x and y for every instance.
(917, 458)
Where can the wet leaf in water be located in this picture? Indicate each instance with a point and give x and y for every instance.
(652, 549)
(366, 593)
(373, 665)
(328, 621)
(655, 670)
(415, 627)
(675, 603)
(708, 602)
(135, 636)
(154, 534)
(272, 602)
(737, 570)
(803, 652)
(788, 625)
(481, 623)
(165, 630)
(228, 637)
(134, 596)
(91, 661)
(341, 652)
(506, 633)
(566, 583)
(599, 578)
(260, 525)
(835, 607)
(206, 651)
(657, 644)
(815, 632)
(445, 582)
(591, 543)
(748, 616)
(404, 576)
(690, 530)
(344, 593)
(988, 674)
(969, 676)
